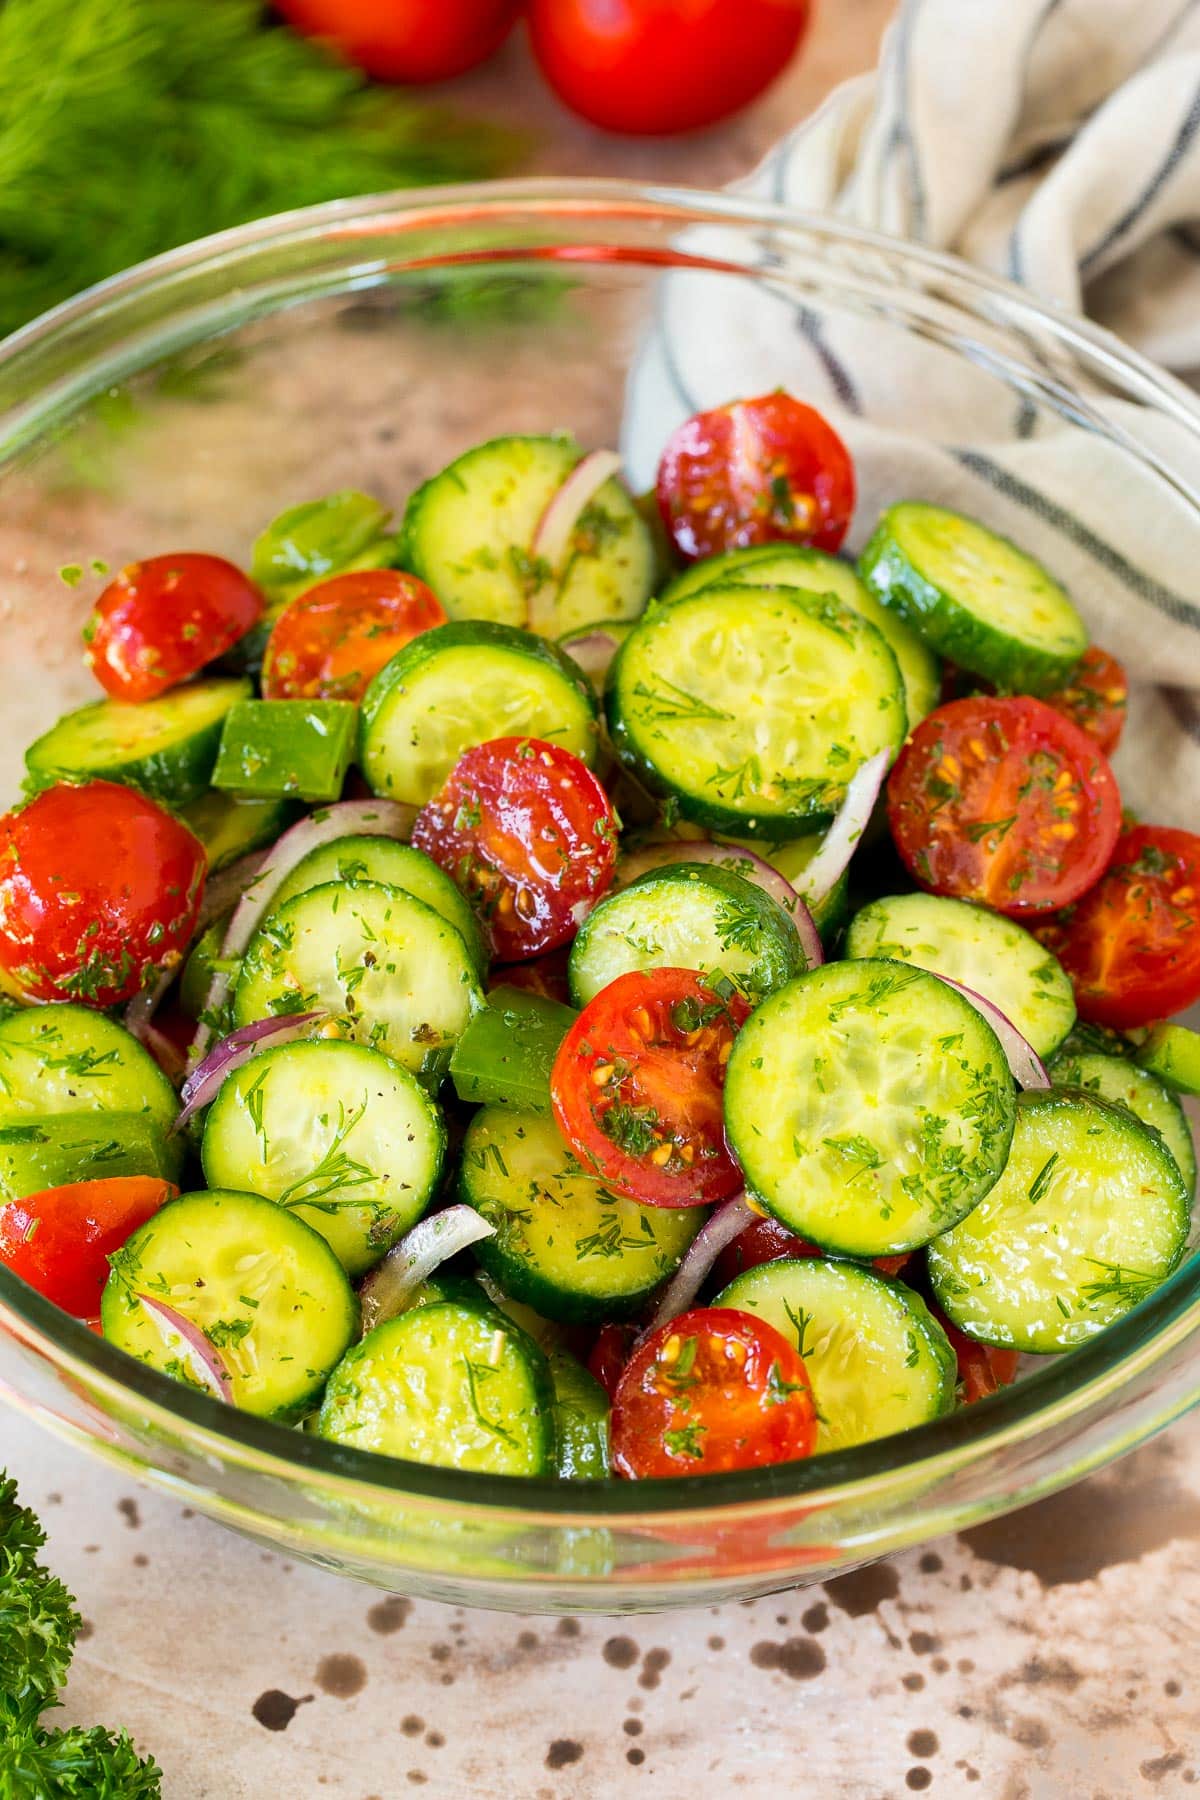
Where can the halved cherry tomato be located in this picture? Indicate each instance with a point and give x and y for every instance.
(766, 1240)
(654, 66)
(406, 40)
(714, 1389)
(983, 1369)
(770, 470)
(1004, 801)
(610, 1352)
(529, 835)
(1095, 697)
(637, 1085)
(99, 890)
(329, 642)
(160, 621)
(59, 1241)
(544, 975)
(1132, 945)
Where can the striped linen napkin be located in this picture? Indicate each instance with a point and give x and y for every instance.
(1056, 143)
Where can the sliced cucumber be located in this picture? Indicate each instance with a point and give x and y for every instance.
(336, 1133)
(454, 1385)
(265, 1289)
(284, 747)
(754, 706)
(1172, 1053)
(62, 1148)
(974, 597)
(581, 1421)
(165, 747)
(505, 1055)
(468, 532)
(687, 916)
(383, 964)
(204, 961)
(995, 956)
(878, 1360)
(1122, 1082)
(460, 685)
(230, 827)
(564, 1244)
(1089, 1217)
(869, 1105)
(398, 865)
(66, 1059)
(796, 565)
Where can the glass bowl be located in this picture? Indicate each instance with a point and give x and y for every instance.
(364, 344)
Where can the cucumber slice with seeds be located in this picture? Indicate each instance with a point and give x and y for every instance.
(869, 1105)
(1122, 1082)
(687, 916)
(878, 1360)
(63, 1058)
(754, 706)
(564, 1244)
(1089, 1217)
(974, 597)
(166, 747)
(460, 685)
(995, 956)
(795, 565)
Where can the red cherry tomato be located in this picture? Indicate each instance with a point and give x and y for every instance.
(160, 621)
(637, 1087)
(99, 889)
(760, 471)
(529, 835)
(766, 1240)
(330, 641)
(59, 1240)
(714, 1389)
(654, 66)
(983, 1369)
(610, 1353)
(1003, 801)
(406, 40)
(1095, 697)
(1132, 945)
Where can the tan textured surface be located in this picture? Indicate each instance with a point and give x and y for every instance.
(1048, 1657)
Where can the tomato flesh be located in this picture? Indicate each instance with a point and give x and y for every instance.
(983, 1369)
(655, 66)
(1003, 801)
(335, 637)
(529, 834)
(160, 621)
(1095, 697)
(1132, 945)
(99, 891)
(763, 471)
(609, 1354)
(637, 1087)
(714, 1389)
(406, 40)
(767, 1240)
(59, 1241)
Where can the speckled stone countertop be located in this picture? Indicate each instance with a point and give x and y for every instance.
(1050, 1655)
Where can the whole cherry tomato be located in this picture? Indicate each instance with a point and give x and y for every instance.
(99, 890)
(406, 40)
(160, 621)
(59, 1241)
(714, 1389)
(331, 639)
(763, 471)
(656, 66)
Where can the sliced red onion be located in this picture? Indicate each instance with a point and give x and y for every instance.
(743, 862)
(1029, 1071)
(345, 818)
(202, 1084)
(196, 1349)
(593, 652)
(552, 538)
(843, 835)
(716, 1234)
(392, 1283)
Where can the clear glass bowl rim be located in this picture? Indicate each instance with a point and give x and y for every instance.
(1067, 1386)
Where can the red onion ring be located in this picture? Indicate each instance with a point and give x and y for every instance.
(345, 818)
(552, 538)
(196, 1349)
(392, 1283)
(202, 1084)
(593, 652)
(1027, 1067)
(716, 1234)
(843, 835)
(742, 862)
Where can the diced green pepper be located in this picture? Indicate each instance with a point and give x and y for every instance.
(229, 827)
(276, 747)
(505, 1055)
(61, 1148)
(1172, 1052)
